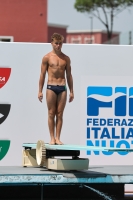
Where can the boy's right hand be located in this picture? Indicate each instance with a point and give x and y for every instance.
(40, 96)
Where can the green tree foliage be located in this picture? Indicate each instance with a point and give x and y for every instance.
(110, 9)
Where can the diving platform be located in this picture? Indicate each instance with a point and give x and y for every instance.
(43, 154)
(108, 179)
(42, 167)
(37, 175)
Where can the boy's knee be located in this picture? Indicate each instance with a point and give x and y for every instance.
(51, 114)
(59, 114)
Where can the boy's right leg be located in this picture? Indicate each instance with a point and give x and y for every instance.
(51, 99)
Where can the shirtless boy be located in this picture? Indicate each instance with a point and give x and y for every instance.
(57, 65)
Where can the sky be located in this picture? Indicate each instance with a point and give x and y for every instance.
(63, 12)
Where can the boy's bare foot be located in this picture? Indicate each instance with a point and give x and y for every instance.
(52, 142)
(58, 142)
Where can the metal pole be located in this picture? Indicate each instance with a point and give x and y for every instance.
(41, 191)
(91, 27)
(130, 37)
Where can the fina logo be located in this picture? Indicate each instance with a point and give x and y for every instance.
(115, 129)
(101, 97)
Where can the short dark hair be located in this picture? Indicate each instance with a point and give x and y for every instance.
(57, 36)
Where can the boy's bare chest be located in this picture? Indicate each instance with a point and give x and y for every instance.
(56, 62)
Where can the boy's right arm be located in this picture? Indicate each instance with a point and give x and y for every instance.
(44, 66)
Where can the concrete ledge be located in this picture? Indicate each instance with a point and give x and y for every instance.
(95, 174)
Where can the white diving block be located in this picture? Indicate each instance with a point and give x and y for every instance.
(42, 154)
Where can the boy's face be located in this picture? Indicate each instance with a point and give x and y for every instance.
(57, 44)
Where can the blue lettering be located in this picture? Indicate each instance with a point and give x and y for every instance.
(109, 122)
(108, 153)
(102, 122)
(88, 133)
(89, 143)
(124, 123)
(96, 132)
(119, 146)
(89, 121)
(95, 122)
(130, 122)
(105, 133)
(116, 121)
(113, 134)
(122, 133)
(129, 133)
(112, 145)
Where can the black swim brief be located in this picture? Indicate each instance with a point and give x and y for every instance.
(57, 88)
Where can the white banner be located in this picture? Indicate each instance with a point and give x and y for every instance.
(23, 118)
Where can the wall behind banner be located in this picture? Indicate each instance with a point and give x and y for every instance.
(27, 119)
